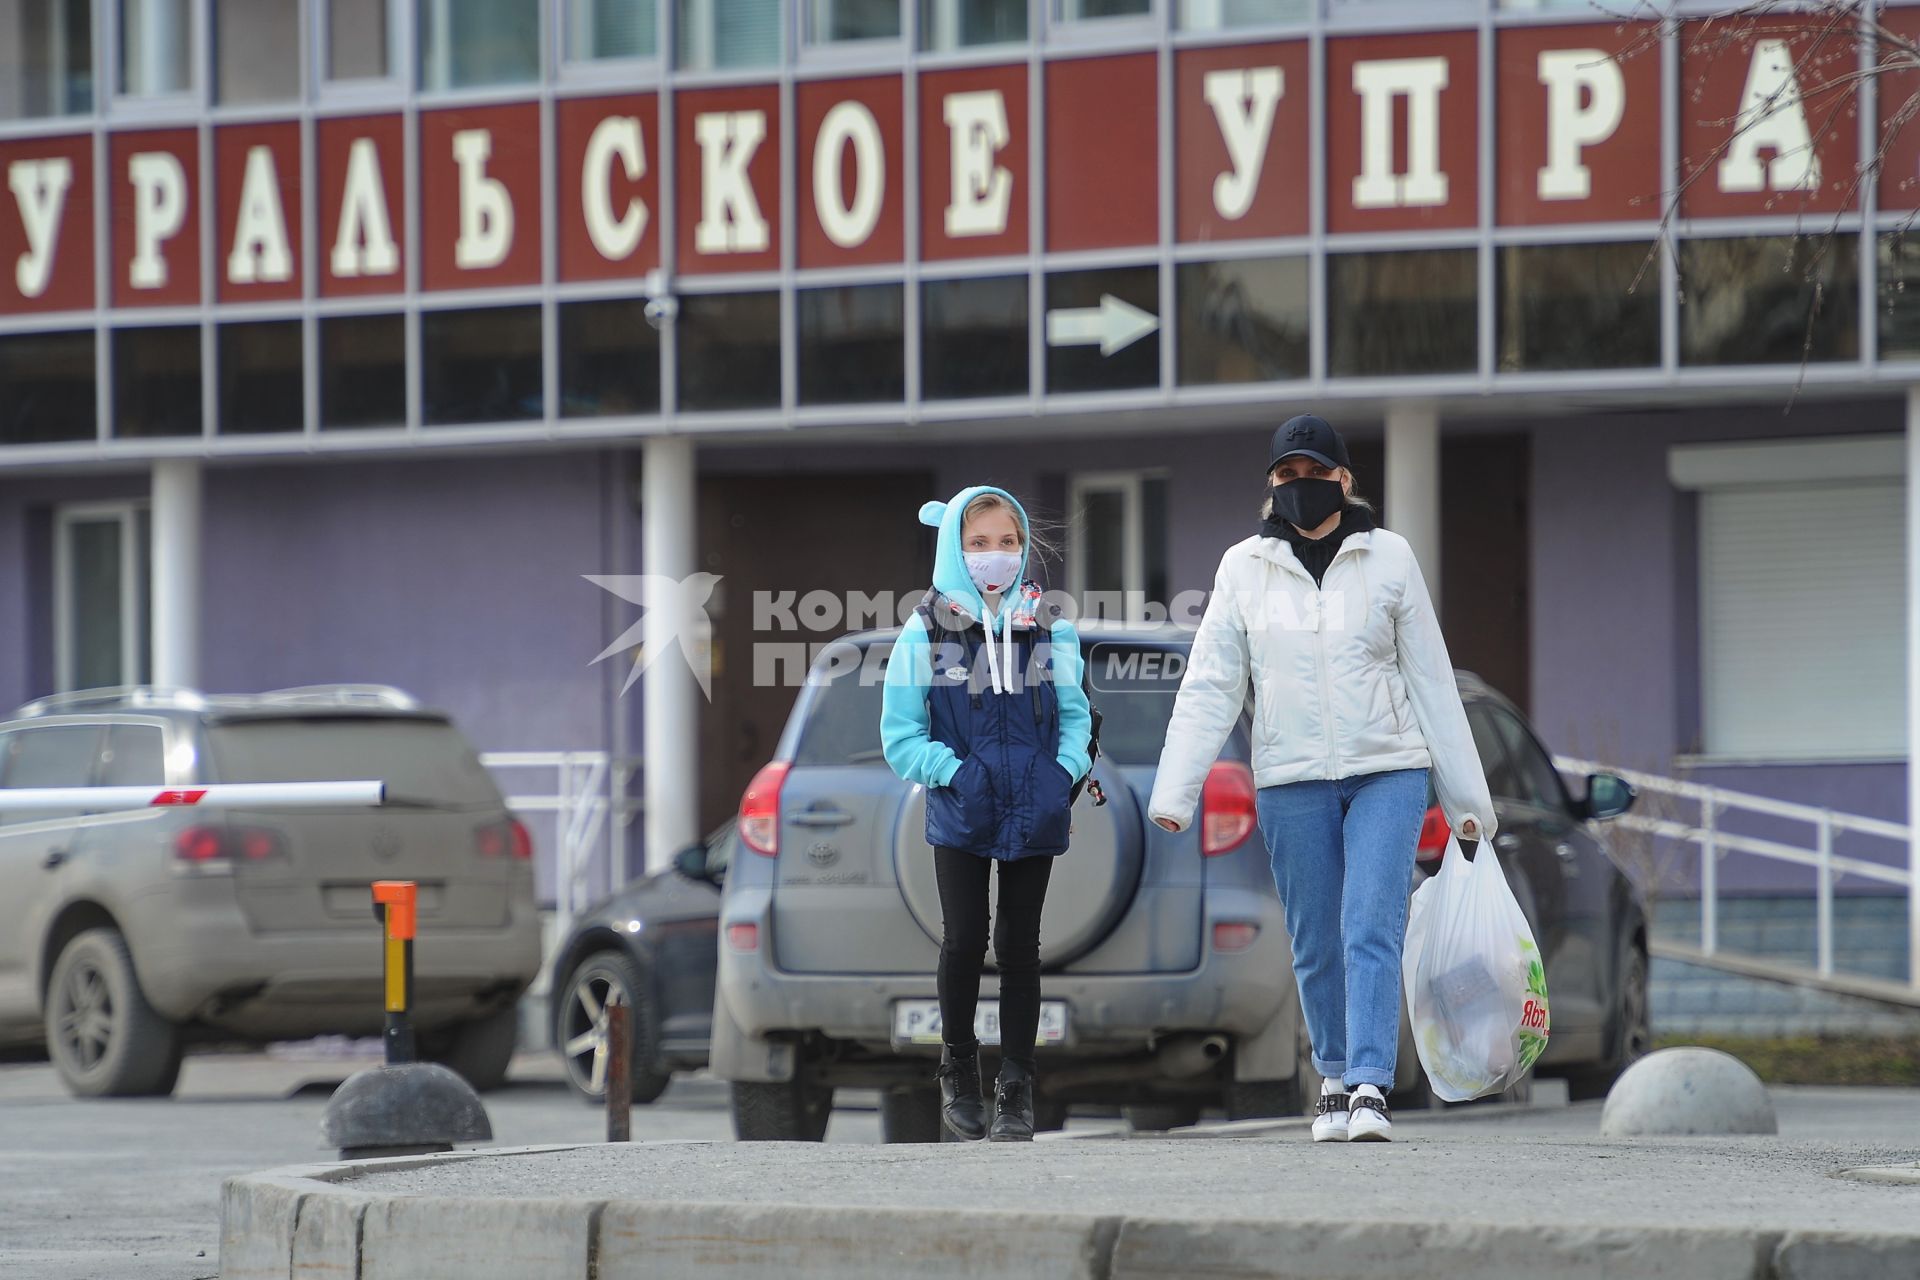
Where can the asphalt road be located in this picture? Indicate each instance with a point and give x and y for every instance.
(91, 1190)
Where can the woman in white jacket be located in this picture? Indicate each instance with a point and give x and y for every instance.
(1328, 619)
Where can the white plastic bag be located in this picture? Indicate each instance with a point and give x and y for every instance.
(1476, 990)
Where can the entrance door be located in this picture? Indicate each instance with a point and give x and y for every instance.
(786, 536)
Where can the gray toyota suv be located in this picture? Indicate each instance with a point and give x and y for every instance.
(127, 936)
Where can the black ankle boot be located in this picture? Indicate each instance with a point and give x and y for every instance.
(961, 1106)
(1013, 1104)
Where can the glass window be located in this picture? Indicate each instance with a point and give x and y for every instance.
(729, 33)
(468, 43)
(609, 359)
(257, 50)
(852, 344)
(1212, 15)
(1579, 306)
(1501, 779)
(1408, 312)
(480, 366)
(261, 385)
(46, 58)
(135, 757)
(56, 755)
(359, 40)
(156, 381)
(1103, 329)
(973, 337)
(156, 48)
(830, 21)
(47, 384)
(103, 597)
(729, 347)
(363, 371)
(960, 24)
(1769, 299)
(612, 29)
(1538, 783)
(1899, 296)
(1243, 321)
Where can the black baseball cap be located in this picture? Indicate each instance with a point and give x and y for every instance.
(1309, 435)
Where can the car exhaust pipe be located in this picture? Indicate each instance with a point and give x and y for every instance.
(1176, 1058)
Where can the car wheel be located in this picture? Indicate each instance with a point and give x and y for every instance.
(480, 1050)
(910, 1115)
(1049, 1115)
(1635, 1038)
(1158, 1117)
(105, 1040)
(580, 1027)
(781, 1111)
(1265, 1099)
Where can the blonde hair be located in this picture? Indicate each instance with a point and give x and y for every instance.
(1037, 538)
(1354, 497)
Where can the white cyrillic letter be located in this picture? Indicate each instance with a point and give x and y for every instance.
(486, 210)
(1420, 81)
(615, 234)
(982, 186)
(40, 189)
(260, 250)
(364, 245)
(1244, 101)
(849, 124)
(1570, 74)
(730, 220)
(159, 211)
(1772, 117)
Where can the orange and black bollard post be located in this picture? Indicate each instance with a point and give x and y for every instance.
(394, 903)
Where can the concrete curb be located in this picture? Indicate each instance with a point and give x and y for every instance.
(319, 1220)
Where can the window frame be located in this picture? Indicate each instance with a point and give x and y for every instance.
(608, 72)
(869, 49)
(110, 47)
(370, 90)
(132, 609)
(1131, 486)
(1054, 28)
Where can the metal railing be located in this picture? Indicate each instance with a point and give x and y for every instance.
(1714, 843)
(587, 788)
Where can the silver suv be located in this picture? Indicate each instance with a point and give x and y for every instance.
(127, 936)
(1168, 980)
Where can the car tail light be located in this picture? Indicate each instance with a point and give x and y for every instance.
(760, 810)
(1227, 815)
(743, 937)
(200, 844)
(521, 845)
(1433, 836)
(257, 844)
(1234, 935)
(498, 839)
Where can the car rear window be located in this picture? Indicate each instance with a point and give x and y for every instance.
(1133, 685)
(424, 761)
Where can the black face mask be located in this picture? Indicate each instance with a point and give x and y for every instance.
(1306, 503)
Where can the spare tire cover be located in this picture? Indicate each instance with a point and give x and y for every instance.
(1091, 887)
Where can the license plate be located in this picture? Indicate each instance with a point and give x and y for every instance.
(918, 1022)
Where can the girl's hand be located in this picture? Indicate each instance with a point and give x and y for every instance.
(1166, 824)
(1469, 827)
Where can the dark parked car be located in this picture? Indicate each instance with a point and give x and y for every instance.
(651, 946)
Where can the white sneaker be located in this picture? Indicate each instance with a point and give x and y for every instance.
(1330, 1113)
(1368, 1119)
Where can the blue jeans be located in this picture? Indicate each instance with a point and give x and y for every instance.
(1342, 856)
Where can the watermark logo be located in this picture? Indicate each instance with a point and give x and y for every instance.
(678, 607)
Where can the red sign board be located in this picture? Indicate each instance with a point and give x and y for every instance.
(609, 187)
(973, 162)
(848, 179)
(1103, 153)
(1578, 116)
(155, 180)
(727, 165)
(1240, 150)
(480, 197)
(363, 241)
(46, 228)
(257, 185)
(1402, 137)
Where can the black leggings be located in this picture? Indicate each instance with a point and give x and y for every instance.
(1016, 946)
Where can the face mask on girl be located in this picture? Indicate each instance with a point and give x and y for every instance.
(993, 571)
(1306, 503)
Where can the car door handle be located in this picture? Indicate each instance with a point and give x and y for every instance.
(55, 857)
(1566, 851)
(821, 818)
(1507, 841)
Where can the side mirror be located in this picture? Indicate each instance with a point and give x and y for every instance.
(1608, 796)
(691, 862)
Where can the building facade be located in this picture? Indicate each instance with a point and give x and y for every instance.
(344, 339)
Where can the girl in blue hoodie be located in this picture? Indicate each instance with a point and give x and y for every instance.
(983, 707)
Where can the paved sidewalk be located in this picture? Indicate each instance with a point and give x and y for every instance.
(1487, 1194)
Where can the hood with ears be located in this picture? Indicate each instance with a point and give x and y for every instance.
(950, 576)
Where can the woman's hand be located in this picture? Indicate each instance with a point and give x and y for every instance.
(1166, 824)
(1469, 827)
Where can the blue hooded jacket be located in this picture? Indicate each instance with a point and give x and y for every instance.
(998, 744)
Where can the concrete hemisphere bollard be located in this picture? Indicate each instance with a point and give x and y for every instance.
(1687, 1091)
(408, 1109)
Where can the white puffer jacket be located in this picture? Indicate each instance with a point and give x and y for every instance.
(1349, 678)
